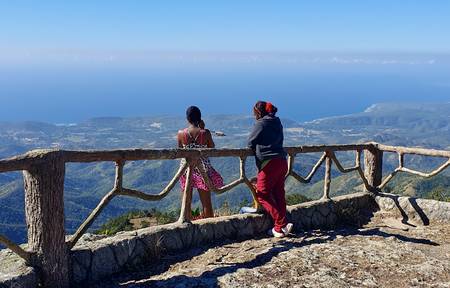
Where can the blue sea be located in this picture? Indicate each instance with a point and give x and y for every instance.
(302, 91)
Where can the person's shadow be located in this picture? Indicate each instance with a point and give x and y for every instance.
(210, 278)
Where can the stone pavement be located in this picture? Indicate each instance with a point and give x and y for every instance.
(382, 253)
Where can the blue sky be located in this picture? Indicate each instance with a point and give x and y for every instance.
(399, 26)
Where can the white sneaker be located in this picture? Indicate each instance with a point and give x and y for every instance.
(275, 234)
(287, 229)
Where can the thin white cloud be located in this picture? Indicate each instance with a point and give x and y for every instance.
(95, 56)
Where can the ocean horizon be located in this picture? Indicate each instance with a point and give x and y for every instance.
(304, 89)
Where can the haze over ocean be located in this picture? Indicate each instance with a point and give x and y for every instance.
(69, 61)
(302, 91)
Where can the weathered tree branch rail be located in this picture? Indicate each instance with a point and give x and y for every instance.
(401, 151)
(33, 157)
(44, 177)
(15, 248)
(415, 151)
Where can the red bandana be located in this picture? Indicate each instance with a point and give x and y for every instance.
(269, 107)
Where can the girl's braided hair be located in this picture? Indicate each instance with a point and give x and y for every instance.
(263, 108)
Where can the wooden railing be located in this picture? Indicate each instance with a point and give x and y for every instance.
(402, 151)
(44, 170)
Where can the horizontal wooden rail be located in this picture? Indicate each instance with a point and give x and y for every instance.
(22, 162)
(165, 154)
(415, 151)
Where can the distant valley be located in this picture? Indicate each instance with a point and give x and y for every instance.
(412, 124)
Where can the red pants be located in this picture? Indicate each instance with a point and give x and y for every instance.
(270, 191)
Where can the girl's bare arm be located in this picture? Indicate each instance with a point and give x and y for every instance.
(210, 143)
(180, 139)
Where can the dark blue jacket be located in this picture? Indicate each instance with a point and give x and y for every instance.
(266, 139)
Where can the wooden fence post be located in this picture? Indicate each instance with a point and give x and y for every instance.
(44, 210)
(327, 180)
(373, 167)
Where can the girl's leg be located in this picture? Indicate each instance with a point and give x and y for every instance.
(279, 193)
(265, 186)
(270, 184)
(205, 198)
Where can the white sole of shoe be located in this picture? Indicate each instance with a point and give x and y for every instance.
(277, 234)
(286, 230)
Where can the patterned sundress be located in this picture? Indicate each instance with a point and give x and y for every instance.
(197, 179)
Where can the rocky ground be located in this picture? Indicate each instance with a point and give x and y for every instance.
(383, 253)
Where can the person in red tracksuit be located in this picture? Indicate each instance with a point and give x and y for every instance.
(266, 140)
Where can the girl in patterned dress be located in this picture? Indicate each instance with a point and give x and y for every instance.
(195, 136)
